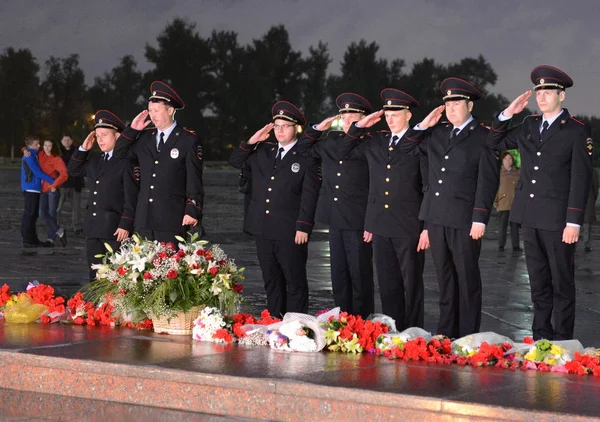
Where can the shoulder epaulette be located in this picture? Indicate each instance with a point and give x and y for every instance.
(578, 121)
(189, 130)
(532, 115)
(384, 131)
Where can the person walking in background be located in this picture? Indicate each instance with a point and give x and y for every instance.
(71, 189)
(509, 177)
(590, 211)
(31, 186)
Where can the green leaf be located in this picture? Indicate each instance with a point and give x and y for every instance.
(108, 248)
(99, 256)
(173, 296)
(181, 239)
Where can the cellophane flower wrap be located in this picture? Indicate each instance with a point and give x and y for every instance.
(150, 278)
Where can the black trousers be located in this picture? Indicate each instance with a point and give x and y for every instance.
(456, 258)
(93, 247)
(503, 228)
(283, 265)
(400, 275)
(551, 268)
(352, 271)
(30, 215)
(161, 236)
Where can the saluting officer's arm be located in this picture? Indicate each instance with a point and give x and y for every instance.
(77, 164)
(354, 144)
(501, 137)
(308, 142)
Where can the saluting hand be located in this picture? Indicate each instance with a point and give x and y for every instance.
(121, 234)
(301, 238)
(261, 134)
(432, 118)
(570, 234)
(140, 122)
(423, 241)
(518, 104)
(370, 120)
(326, 124)
(477, 231)
(89, 141)
(189, 221)
(367, 237)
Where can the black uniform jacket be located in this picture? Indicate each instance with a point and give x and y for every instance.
(396, 182)
(345, 190)
(113, 193)
(170, 180)
(555, 174)
(283, 199)
(463, 174)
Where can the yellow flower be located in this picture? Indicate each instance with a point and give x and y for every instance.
(556, 350)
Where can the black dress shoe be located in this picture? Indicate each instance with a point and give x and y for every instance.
(31, 245)
(588, 249)
(517, 249)
(500, 248)
(63, 238)
(47, 244)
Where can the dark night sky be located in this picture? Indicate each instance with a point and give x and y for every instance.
(514, 36)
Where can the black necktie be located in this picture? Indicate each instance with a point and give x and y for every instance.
(161, 141)
(544, 131)
(454, 133)
(394, 141)
(279, 156)
(104, 159)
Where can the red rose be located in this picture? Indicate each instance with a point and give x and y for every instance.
(200, 252)
(214, 270)
(170, 245)
(172, 274)
(181, 253)
(238, 288)
(163, 255)
(147, 276)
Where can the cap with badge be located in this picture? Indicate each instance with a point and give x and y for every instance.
(107, 119)
(548, 77)
(394, 99)
(349, 102)
(160, 91)
(459, 89)
(288, 111)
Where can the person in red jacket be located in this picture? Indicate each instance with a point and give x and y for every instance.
(53, 166)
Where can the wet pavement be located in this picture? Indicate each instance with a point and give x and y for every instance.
(92, 364)
(507, 306)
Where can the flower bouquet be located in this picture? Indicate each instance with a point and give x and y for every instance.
(212, 326)
(158, 280)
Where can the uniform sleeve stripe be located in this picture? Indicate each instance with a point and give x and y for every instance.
(303, 222)
(480, 209)
(575, 209)
(191, 203)
(496, 130)
(125, 136)
(128, 218)
(244, 149)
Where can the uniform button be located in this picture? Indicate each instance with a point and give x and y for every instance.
(150, 200)
(93, 203)
(339, 174)
(335, 199)
(539, 153)
(151, 187)
(443, 169)
(387, 179)
(97, 182)
(341, 162)
(154, 175)
(440, 181)
(156, 162)
(94, 214)
(337, 186)
(533, 181)
(437, 194)
(270, 189)
(267, 211)
(536, 168)
(386, 206)
(267, 200)
(388, 166)
(387, 193)
(531, 195)
(95, 193)
(272, 177)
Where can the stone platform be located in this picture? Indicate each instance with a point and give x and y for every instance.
(59, 372)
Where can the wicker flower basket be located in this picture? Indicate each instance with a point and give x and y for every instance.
(179, 325)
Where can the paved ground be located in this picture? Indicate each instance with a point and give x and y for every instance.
(506, 294)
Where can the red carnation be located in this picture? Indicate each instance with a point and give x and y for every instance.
(181, 253)
(122, 270)
(238, 288)
(147, 276)
(172, 274)
(214, 270)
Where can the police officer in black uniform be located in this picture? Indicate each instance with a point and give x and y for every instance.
(342, 205)
(113, 191)
(396, 182)
(171, 195)
(285, 189)
(550, 198)
(463, 180)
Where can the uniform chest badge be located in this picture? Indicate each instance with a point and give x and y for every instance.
(295, 167)
(174, 153)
